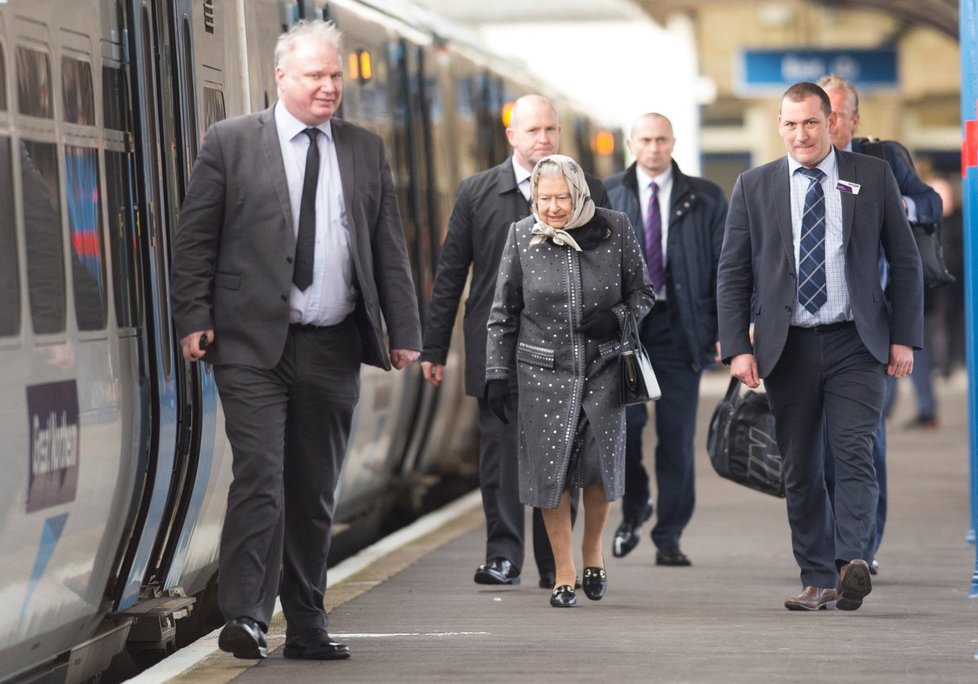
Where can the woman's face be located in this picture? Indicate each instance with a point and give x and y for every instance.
(554, 202)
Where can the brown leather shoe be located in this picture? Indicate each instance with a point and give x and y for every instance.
(854, 584)
(813, 598)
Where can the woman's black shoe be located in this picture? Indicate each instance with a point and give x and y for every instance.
(563, 597)
(595, 583)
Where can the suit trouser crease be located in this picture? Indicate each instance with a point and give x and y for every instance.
(289, 427)
(675, 425)
(835, 375)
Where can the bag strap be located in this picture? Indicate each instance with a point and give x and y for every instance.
(732, 389)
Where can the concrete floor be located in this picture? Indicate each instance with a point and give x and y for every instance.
(416, 616)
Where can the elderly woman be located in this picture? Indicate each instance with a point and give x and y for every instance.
(569, 275)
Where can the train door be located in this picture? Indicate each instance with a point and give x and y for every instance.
(158, 451)
(414, 161)
(193, 40)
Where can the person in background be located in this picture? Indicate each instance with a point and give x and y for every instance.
(922, 205)
(569, 276)
(800, 260)
(287, 276)
(487, 204)
(947, 330)
(678, 220)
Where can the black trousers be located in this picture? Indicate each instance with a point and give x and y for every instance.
(675, 429)
(288, 427)
(830, 374)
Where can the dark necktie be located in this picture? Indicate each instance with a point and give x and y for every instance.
(811, 252)
(653, 241)
(305, 243)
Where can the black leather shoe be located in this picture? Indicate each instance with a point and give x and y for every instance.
(629, 533)
(497, 571)
(595, 583)
(673, 557)
(315, 645)
(243, 638)
(563, 597)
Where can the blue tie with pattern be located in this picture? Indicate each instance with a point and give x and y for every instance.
(811, 253)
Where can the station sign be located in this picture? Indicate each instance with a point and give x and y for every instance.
(764, 71)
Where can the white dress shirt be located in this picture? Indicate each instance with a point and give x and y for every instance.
(836, 307)
(664, 181)
(522, 179)
(332, 296)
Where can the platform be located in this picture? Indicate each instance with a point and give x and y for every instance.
(410, 611)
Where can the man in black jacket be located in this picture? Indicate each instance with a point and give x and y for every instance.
(679, 222)
(487, 204)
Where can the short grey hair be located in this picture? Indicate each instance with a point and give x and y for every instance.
(307, 30)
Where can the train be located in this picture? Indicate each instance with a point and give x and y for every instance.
(115, 462)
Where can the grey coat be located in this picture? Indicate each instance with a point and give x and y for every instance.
(543, 293)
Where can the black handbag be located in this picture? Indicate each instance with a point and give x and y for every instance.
(928, 238)
(637, 379)
(741, 441)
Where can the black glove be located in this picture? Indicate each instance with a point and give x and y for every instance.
(499, 398)
(601, 326)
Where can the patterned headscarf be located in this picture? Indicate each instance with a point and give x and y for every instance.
(582, 209)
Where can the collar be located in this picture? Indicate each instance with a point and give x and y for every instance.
(289, 126)
(827, 165)
(644, 179)
(521, 173)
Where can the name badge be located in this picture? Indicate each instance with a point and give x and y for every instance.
(847, 186)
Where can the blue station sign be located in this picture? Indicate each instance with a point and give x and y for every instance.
(766, 70)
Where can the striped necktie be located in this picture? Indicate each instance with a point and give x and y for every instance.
(653, 240)
(811, 252)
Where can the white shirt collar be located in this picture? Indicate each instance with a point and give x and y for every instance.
(289, 126)
(644, 179)
(827, 165)
(521, 174)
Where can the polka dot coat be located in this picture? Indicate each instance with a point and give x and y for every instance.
(543, 293)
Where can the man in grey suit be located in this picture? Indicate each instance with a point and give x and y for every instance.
(487, 204)
(800, 259)
(290, 255)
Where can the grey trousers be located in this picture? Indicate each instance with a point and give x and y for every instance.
(832, 374)
(288, 427)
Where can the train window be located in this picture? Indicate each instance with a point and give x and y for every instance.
(42, 231)
(115, 98)
(9, 268)
(123, 240)
(213, 106)
(78, 92)
(85, 231)
(34, 96)
(3, 81)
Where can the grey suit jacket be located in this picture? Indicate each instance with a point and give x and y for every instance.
(757, 276)
(234, 252)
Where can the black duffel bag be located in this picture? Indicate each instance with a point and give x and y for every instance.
(741, 441)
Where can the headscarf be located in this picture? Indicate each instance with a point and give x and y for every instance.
(582, 208)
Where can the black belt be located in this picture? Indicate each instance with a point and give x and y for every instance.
(822, 329)
(309, 327)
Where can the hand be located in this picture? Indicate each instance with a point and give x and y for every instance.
(744, 368)
(191, 345)
(901, 361)
(499, 398)
(601, 326)
(434, 373)
(401, 358)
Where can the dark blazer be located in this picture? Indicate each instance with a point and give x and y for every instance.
(696, 214)
(488, 203)
(758, 261)
(233, 256)
(926, 199)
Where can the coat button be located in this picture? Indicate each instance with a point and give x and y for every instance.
(285, 298)
(288, 259)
